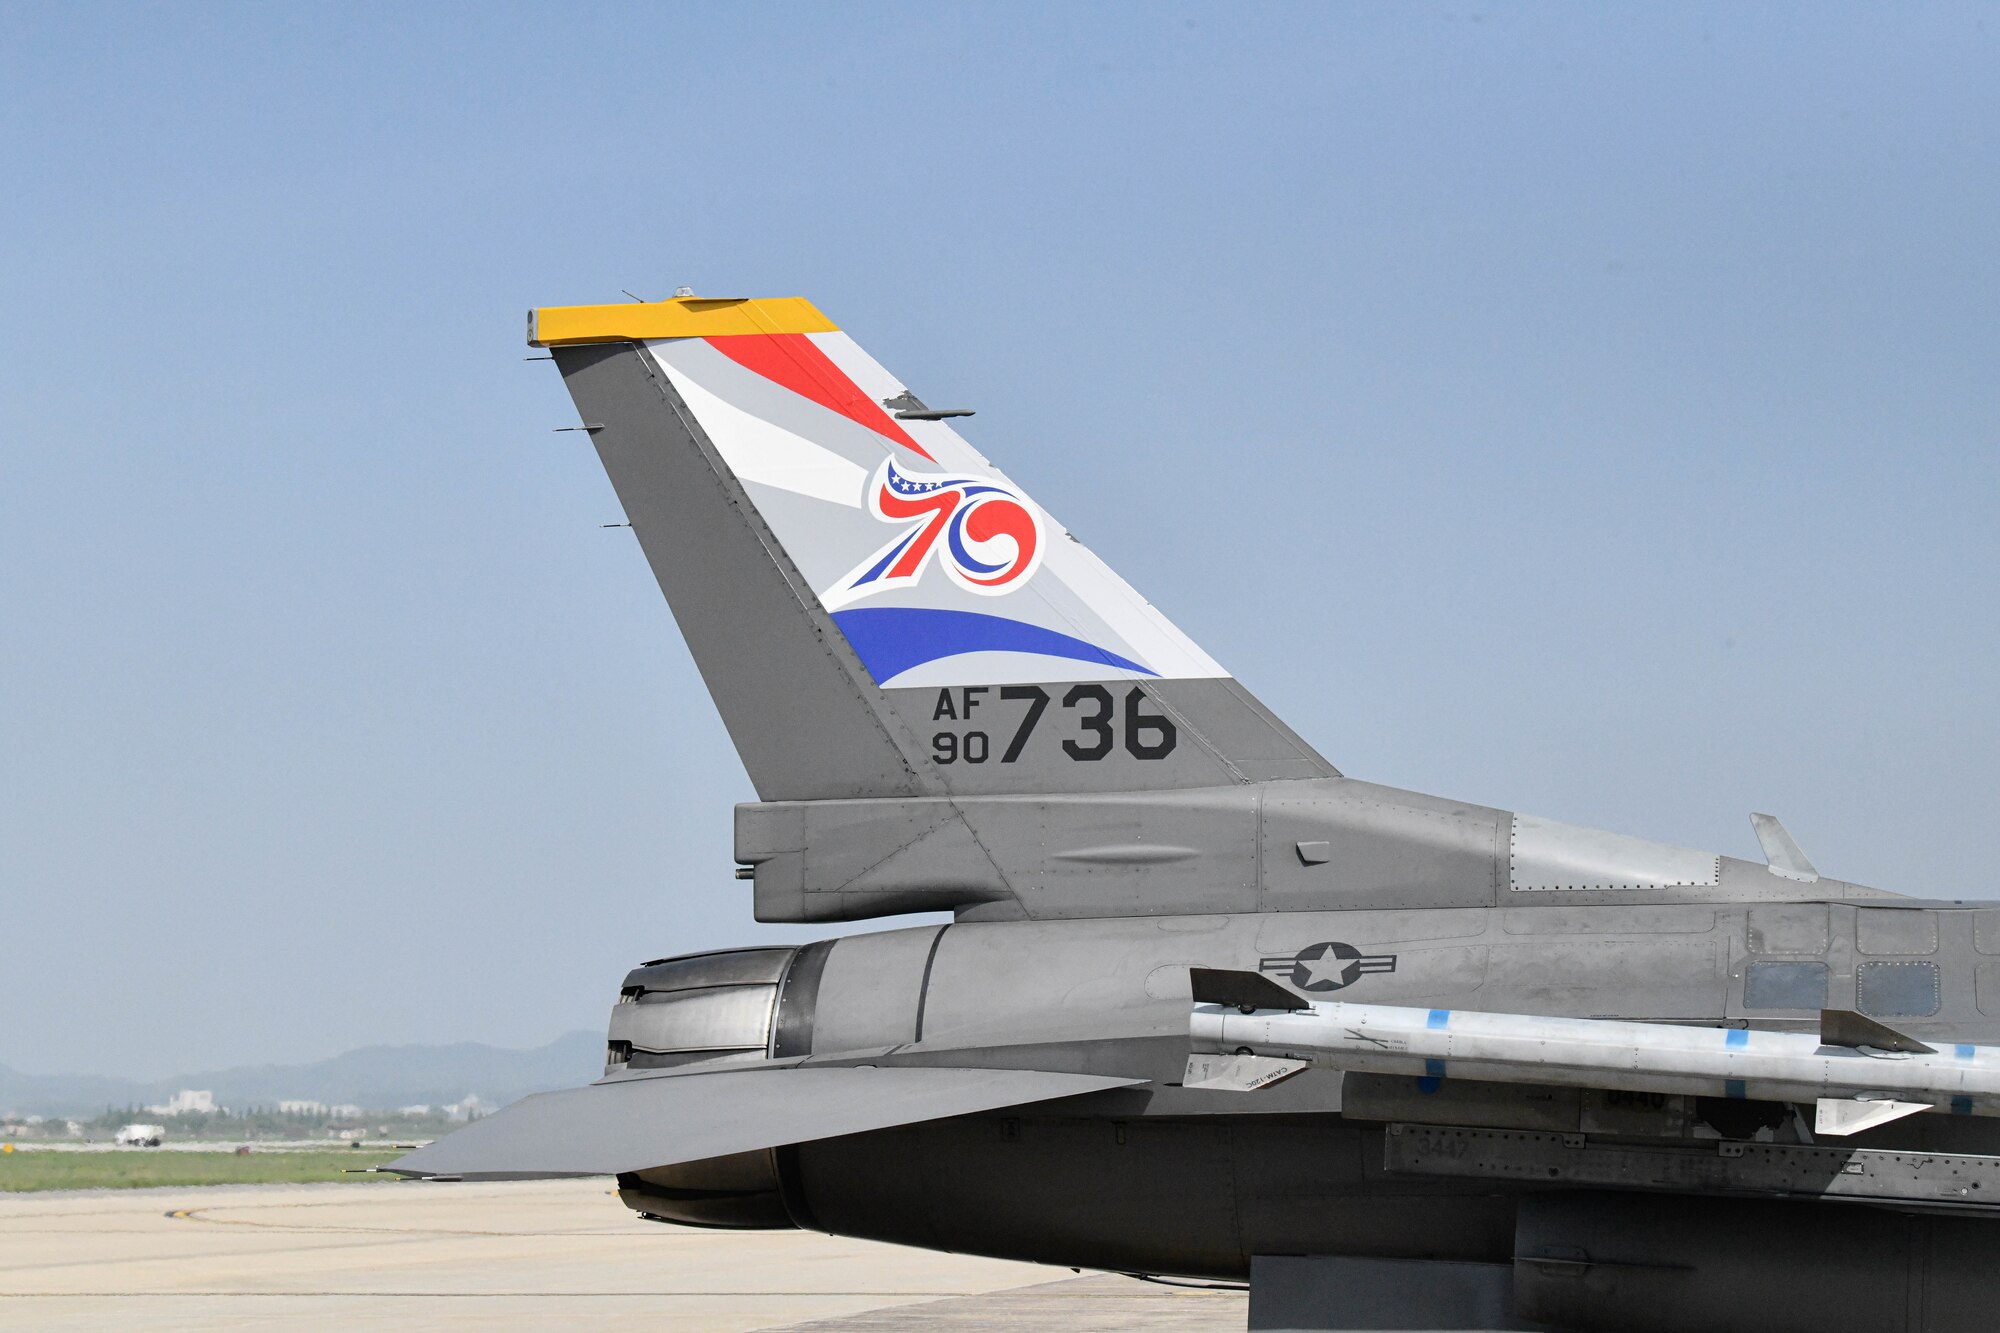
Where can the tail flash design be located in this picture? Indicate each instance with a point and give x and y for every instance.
(870, 600)
(991, 538)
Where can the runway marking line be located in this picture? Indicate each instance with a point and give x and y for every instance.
(654, 1236)
(200, 1215)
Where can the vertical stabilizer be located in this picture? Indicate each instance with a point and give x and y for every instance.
(876, 609)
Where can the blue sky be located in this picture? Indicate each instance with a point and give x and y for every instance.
(1586, 410)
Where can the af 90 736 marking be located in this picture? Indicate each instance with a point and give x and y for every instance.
(1103, 722)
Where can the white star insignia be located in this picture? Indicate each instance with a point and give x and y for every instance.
(1327, 967)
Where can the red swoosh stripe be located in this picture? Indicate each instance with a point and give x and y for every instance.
(794, 361)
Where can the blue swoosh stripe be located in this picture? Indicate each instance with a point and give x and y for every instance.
(892, 639)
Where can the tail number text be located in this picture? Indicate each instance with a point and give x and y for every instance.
(1100, 724)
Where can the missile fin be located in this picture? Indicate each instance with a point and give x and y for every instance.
(1241, 990)
(1844, 1027)
(1837, 1117)
(1238, 1073)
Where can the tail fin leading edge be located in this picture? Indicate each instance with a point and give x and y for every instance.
(876, 609)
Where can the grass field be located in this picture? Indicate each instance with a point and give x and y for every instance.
(134, 1169)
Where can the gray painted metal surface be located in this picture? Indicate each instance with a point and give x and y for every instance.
(802, 709)
(1961, 1180)
(1212, 849)
(946, 703)
(785, 683)
(1594, 1260)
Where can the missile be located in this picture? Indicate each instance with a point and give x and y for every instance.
(1248, 1032)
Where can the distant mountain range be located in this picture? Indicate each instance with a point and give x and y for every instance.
(376, 1077)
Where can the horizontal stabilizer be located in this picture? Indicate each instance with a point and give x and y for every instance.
(633, 1124)
(1247, 991)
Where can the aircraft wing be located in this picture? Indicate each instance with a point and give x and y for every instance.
(635, 1123)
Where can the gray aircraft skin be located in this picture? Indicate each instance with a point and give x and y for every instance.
(1104, 812)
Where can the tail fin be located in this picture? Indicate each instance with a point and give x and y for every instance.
(878, 610)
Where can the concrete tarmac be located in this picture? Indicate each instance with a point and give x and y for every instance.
(518, 1255)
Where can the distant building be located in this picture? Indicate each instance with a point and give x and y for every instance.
(413, 1110)
(188, 1101)
(305, 1106)
(35, 1126)
(469, 1109)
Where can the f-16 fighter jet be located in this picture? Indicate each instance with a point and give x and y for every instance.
(1206, 1007)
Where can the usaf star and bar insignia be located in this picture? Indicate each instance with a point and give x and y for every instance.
(1327, 966)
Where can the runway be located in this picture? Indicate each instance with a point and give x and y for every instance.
(517, 1255)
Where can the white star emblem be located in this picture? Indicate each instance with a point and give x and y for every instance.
(1326, 968)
